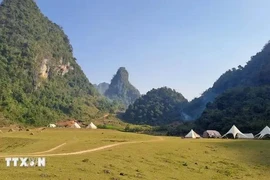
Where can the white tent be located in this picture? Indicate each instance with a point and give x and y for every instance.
(211, 134)
(265, 131)
(246, 136)
(91, 126)
(75, 125)
(192, 134)
(52, 126)
(234, 131)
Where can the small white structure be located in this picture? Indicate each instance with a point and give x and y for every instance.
(75, 125)
(52, 126)
(246, 136)
(235, 132)
(211, 134)
(264, 132)
(91, 126)
(192, 134)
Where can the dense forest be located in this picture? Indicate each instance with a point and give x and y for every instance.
(246, 107)
(158, 107)
(121, 90)
(242, 97)
(40, 80)
(254, 73)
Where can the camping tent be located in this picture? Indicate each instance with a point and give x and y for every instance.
(52, 125)
(264, 132)
(245, 136)
(91, 126)
(234, 131)
(192, 134)
(211, 134)
(75, 125)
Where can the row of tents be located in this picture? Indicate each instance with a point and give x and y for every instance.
(72, 125)
(234, 132)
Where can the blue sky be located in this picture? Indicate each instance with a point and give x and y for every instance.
(182, 44)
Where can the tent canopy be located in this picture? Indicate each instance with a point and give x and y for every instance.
(246, 136)
(91, 126)
(192, 134)
(264, 132)
(211, 134)
(52, 125)
(75, 125)
(234, 131)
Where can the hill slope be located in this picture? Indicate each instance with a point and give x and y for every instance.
(248, 108)
(255, 73)
(158, 107)
(40, 79)
(120, 88)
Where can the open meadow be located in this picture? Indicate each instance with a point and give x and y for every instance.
(110, 155)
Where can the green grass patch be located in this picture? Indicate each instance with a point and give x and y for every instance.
(170, 158)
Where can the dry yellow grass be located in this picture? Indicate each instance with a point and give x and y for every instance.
(161, 159)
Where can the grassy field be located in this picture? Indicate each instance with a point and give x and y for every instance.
(134, 156)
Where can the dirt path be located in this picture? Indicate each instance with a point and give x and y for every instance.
(50, 150)
(84, 151)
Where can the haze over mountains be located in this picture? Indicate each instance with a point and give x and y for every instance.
(102, 87)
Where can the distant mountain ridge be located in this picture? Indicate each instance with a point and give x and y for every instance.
(102, 87)
(120, 89)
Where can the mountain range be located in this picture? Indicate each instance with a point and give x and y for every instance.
(214, 108)
(41, 82)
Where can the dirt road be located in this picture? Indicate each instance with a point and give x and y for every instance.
(41, 154)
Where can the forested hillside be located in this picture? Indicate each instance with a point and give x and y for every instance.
(158, 107)
(254, 73)
(40, 79)
(248, 108)
(121, 90)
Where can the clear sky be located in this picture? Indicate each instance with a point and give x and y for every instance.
(182, 44)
